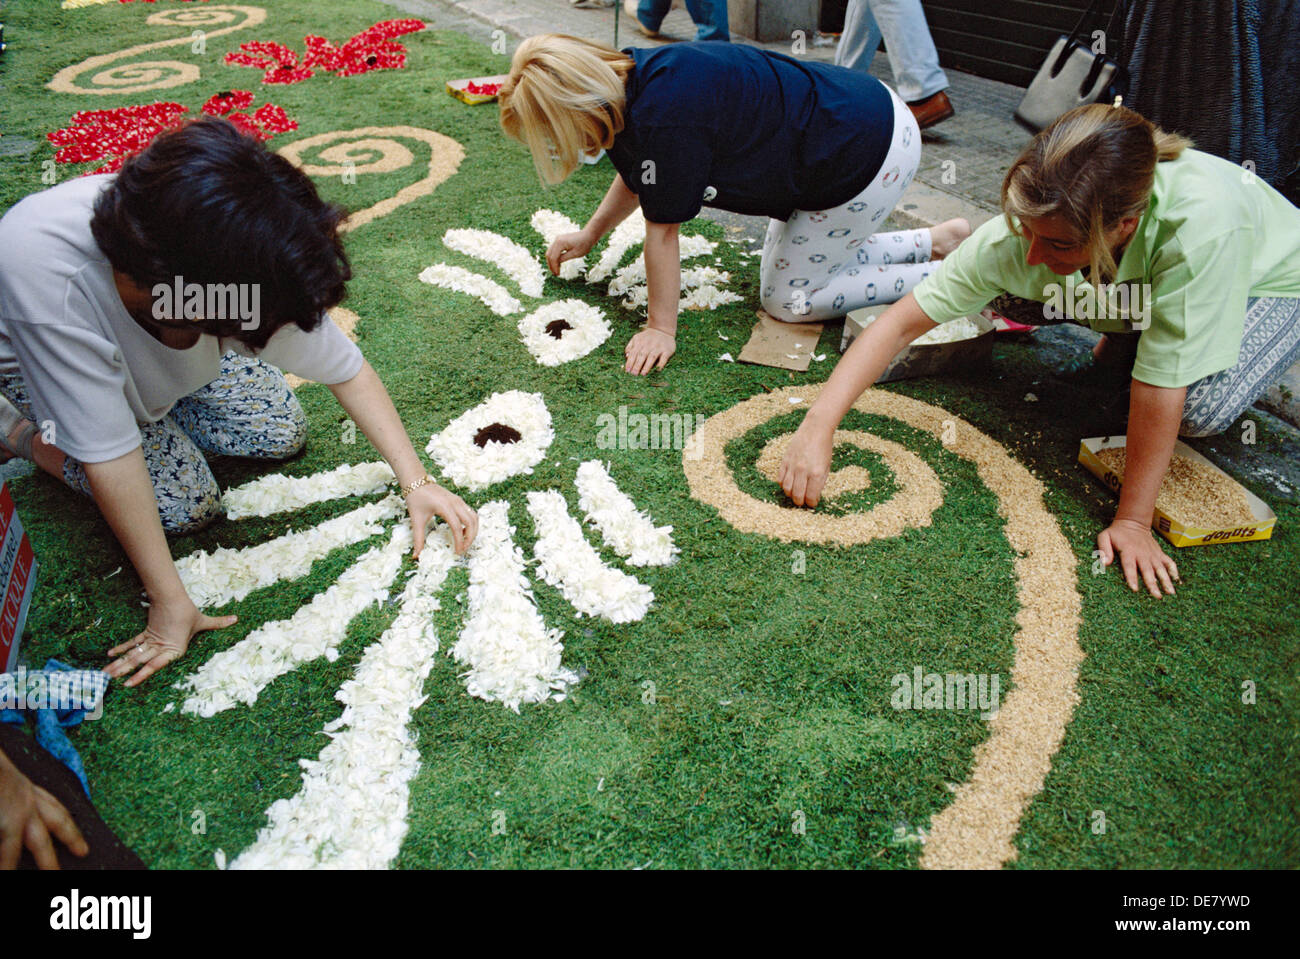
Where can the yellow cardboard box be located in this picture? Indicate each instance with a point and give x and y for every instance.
(1178, 533)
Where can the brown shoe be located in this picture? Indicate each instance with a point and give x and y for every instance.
(932, 109)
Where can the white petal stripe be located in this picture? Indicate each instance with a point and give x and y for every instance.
(238, 674)
(569, 562)
(352, 808)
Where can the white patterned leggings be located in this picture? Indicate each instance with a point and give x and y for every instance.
(821, 264)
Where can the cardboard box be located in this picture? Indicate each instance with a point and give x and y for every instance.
(458, 89)
(925, 360)
(18, 578)
(1177, 532)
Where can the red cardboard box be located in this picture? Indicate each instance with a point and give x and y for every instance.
(18, 577)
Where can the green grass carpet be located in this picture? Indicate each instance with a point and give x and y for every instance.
(772, 688)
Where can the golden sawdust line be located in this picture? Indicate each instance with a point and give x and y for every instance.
(346, 321)
(978, 830)
(920, 493)
(377, 150)
(156, 74)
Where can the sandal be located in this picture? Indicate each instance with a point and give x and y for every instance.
(10, 418)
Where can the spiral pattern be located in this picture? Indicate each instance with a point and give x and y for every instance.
(112, 77)
(978, 830)
(376, 150)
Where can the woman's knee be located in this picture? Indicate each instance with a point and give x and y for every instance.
(190, 508)
(788, 310)
(287, 434)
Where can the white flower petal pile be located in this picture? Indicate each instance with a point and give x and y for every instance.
(628, 531)
(571, 564)
(238, 674)
(512, 259)
(493, 295)
(216, 578)
(708, 297)
(624, 236)
(513, 657)
(477, 468)
(550, 225)
(589, 329)
(351, 810)
(688, 247)
(276, 493)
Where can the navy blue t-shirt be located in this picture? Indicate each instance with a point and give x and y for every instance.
(763, 133)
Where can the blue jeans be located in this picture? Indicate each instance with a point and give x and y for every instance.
(710, 16)
(912, 55)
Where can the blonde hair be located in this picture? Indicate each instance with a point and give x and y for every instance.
(564, 97)
(1093, 166)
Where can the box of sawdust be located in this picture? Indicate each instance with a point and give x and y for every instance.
(1198, 504)
(963, 344)
(476, 90)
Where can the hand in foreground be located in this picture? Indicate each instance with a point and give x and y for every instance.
(567, 246)
(1139, 553)
(805, 466)
(425, 502)
(28, 817)
(171, 627)
(649, 350)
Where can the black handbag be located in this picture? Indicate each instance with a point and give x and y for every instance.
(1071, 76)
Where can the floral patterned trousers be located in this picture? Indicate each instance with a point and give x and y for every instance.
(249, 410)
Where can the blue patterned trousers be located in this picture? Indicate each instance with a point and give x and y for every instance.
(248, 410)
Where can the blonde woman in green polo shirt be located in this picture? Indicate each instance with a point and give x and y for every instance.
(1199, 258)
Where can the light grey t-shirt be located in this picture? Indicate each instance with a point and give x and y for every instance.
(88, 366)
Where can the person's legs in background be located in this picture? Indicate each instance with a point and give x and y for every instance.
(648, 14)
(912, 54)
(710, 18)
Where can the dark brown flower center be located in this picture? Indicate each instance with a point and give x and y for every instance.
(556, 328)
(496, 433)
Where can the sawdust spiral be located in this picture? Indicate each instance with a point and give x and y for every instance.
(978, 830)
(376, 150)
(115, 78)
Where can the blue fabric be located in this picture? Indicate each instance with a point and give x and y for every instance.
(71, 694)
(710, 16)
(763, 133)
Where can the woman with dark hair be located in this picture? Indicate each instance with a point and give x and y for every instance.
(1116, 223)
(144, 320)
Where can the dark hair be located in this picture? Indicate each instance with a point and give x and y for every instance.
(212, 205)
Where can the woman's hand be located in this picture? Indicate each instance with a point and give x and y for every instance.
(806, 464)
(28, 817)
(425, 502)
(568, 246)
(1139, 553)
(649, 350)
(171, 627)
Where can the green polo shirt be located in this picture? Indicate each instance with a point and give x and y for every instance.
(1211, 236)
